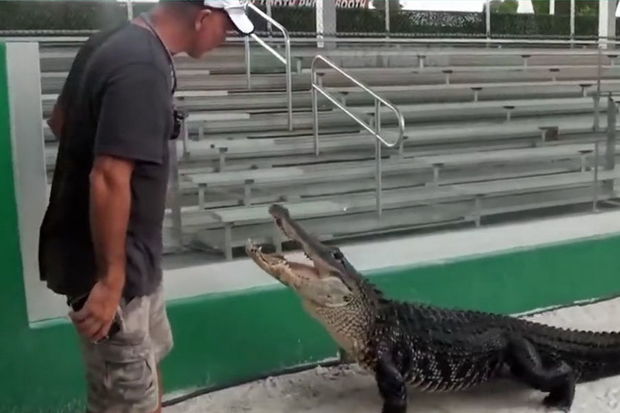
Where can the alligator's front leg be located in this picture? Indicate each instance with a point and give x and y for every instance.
(391, 384)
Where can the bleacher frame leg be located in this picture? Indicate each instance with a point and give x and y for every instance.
(228, 241)
(610, 150)
(173, 195)
(436, 169)
(277, 239)
(185, 140)
(222, 158)
(595, 180)
(478, 210)
(378, 166)
(247, 192)
(583, 161)
(201, 196)
(298, 64)
(315, 115)
(525, 60)
(476, 95)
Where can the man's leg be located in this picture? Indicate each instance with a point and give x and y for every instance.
(122, 371)
(161, 335)
(161, 389)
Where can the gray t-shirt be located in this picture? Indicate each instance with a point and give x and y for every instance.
(118, 102)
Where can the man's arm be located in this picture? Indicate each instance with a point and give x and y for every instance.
(110, 199)
(110, 203)
(132, 128)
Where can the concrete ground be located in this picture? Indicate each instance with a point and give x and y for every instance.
(347, 389)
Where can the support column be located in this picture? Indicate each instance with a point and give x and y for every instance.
(269, 27)
(387, 17)
(552, 7)
(325, 21)
(488, 19)
(572, 19)
(130, 10)
(29, 169)
(606, 22)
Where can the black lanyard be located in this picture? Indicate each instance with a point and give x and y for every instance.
(145, 17)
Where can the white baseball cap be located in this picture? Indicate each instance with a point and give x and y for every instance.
(236, 10)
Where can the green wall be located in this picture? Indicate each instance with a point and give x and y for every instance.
(221, 338)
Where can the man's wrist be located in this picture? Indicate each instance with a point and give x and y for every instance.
(114, 280)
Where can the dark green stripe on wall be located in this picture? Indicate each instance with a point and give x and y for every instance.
(227, 337)
(222, 338)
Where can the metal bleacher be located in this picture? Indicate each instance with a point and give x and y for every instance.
(489, 132)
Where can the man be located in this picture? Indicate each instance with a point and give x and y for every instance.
(101, 237)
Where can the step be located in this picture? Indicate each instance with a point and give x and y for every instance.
(413, 113)
(358, 203)
(422, 135)
(353, 170)
(365, 203)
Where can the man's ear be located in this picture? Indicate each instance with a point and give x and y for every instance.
(200, 18)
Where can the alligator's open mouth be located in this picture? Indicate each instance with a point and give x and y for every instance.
(325, 279)
(320, 258)
(279, 266)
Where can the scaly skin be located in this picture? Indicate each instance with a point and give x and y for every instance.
(431, 348)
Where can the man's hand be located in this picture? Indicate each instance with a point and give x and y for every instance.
(94, 320)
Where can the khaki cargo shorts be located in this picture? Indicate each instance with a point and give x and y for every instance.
(121, 372)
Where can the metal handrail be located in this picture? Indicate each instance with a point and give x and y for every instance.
(375, 130)
(286, 59)
(440, 40)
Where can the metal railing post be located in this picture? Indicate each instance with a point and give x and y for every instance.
(610, 151)
(315, 112)
(597, 95)
(286, 60)
(130, 10)
(248, 63)
(387, 18)
(268, 7)
(289, 82)
(595, 182)
(378, 176)
(174, 191)
(375, 129)
(488, 19)
(572, 21)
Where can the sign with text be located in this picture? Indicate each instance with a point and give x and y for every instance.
(312, 3)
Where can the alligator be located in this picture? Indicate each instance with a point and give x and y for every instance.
(427, 347)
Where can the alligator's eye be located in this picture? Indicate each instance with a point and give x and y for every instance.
(337, 254)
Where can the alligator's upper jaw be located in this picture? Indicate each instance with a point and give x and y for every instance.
(319, 254)
(290, 273)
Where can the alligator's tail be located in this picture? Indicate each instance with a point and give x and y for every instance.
(593, 355)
